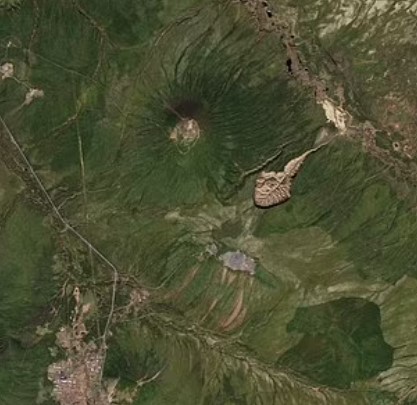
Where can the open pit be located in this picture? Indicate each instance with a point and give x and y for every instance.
(185, 134)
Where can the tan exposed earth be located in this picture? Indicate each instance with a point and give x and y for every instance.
(185, 134)
(33, 94)
(6, 71)
(273, 188)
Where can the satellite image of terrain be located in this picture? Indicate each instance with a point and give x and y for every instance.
(208, 202)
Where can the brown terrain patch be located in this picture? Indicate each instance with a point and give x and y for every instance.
(185, 134)
(211, 308)
(238, 321)
(231, 277)
(273, 188)
(237, 309)
(186, 282)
